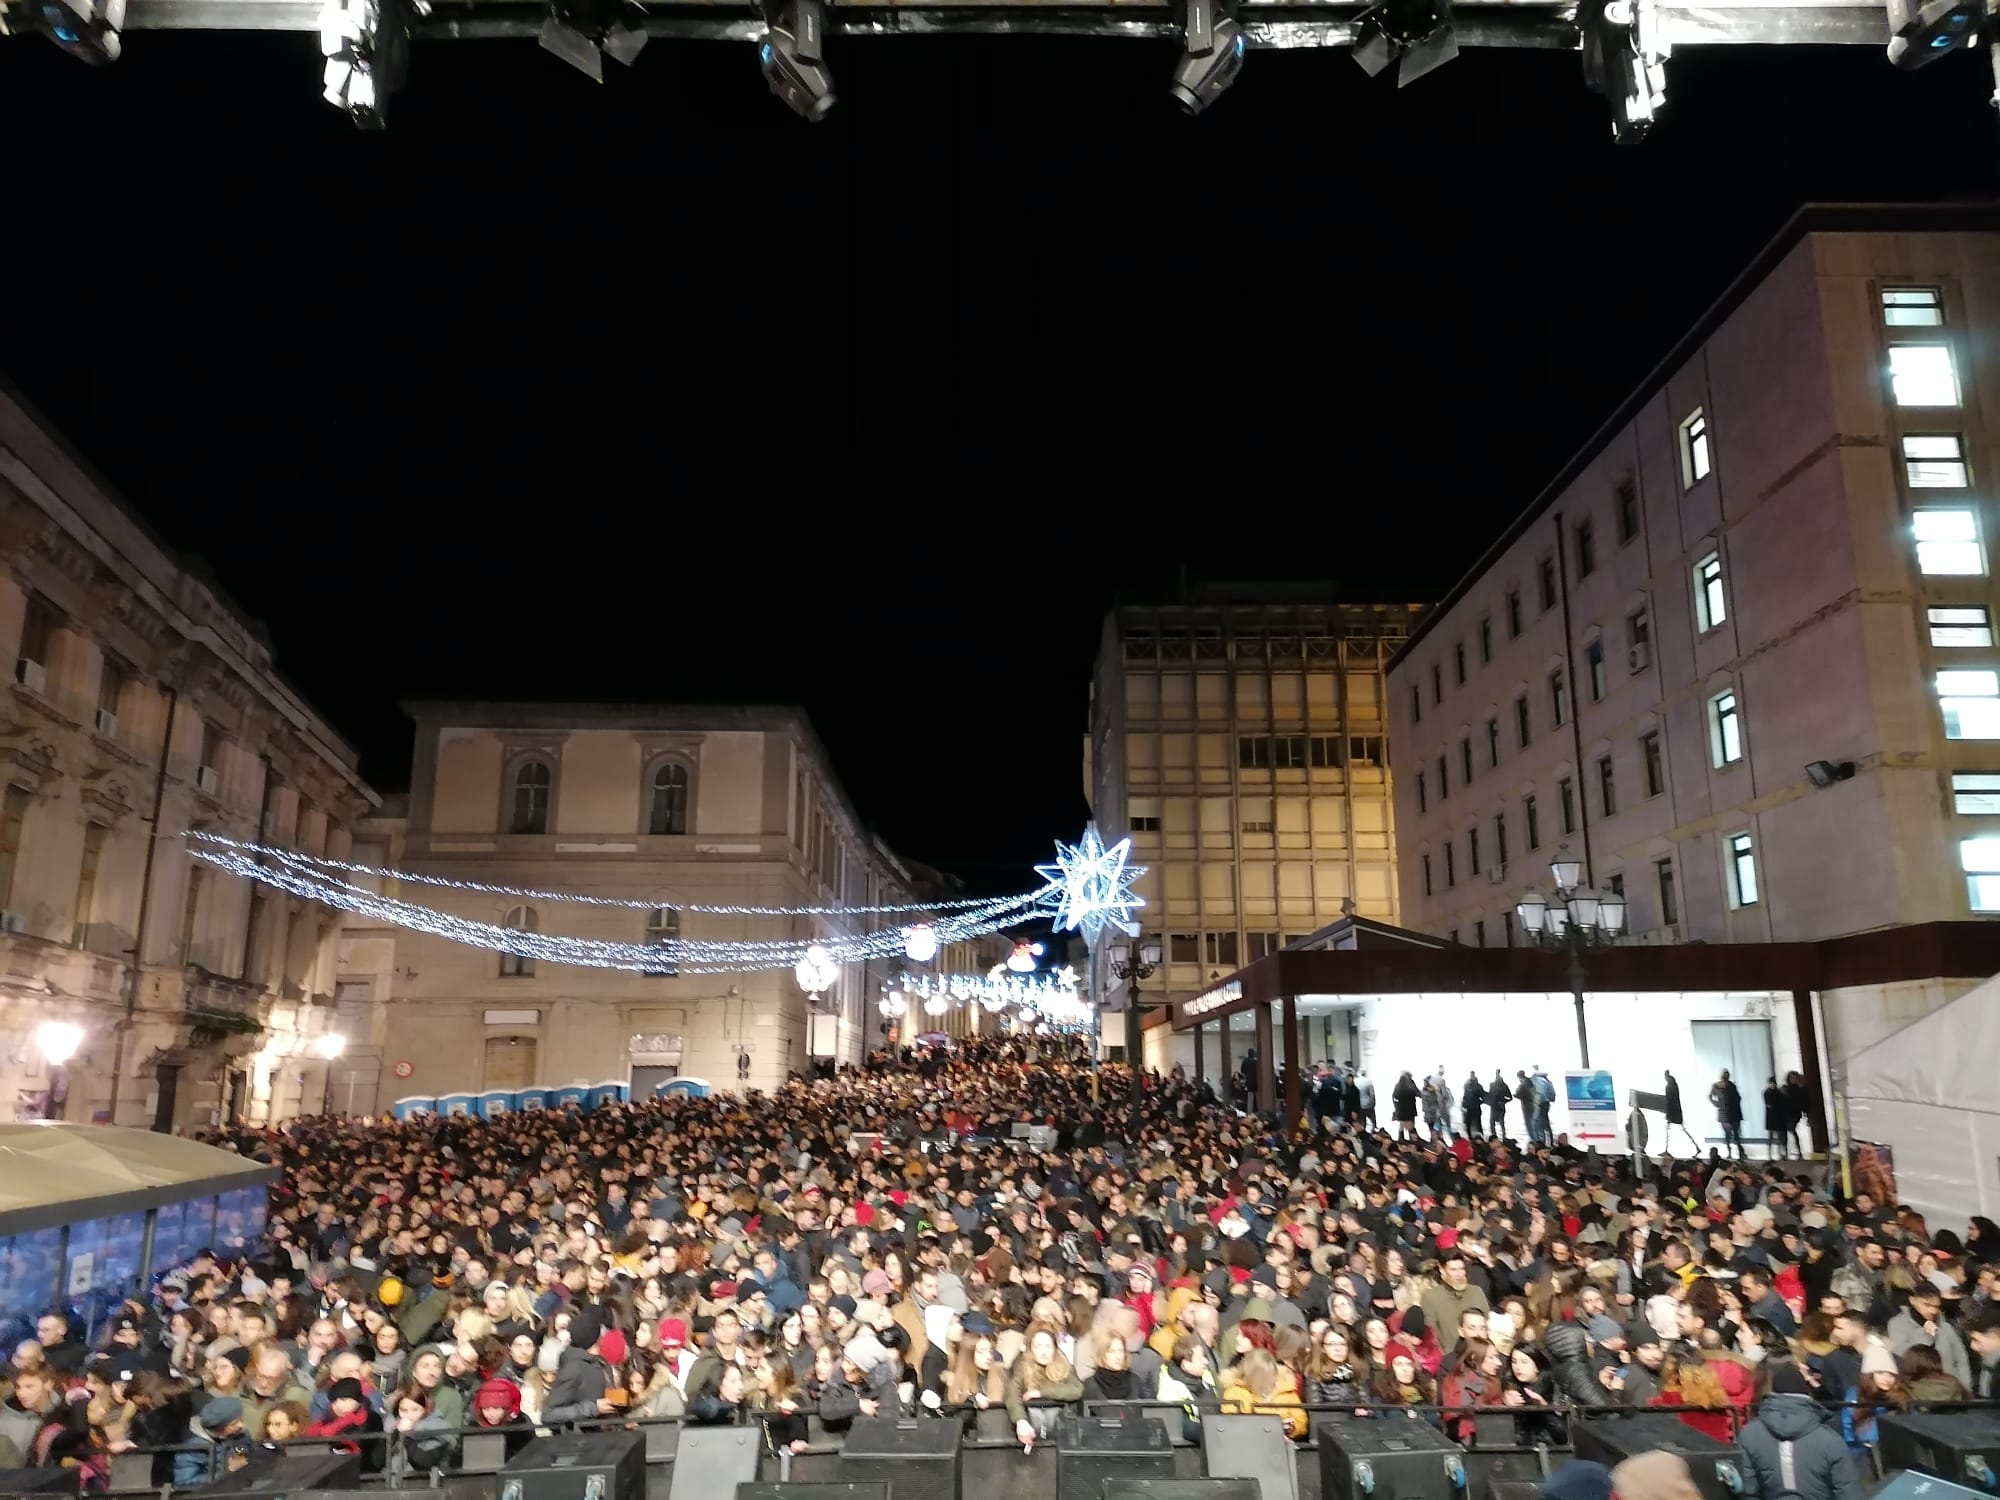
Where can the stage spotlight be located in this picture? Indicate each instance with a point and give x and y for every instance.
(1826, 773)
(585, 32)
(87, 29)
(1417, 31)
(366, 44)
(790, 57)
(1921, 33)
(1625, 61)
(1213, 58)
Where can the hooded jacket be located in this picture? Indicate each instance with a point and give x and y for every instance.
(1821, 1468)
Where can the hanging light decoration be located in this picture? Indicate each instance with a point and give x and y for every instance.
(816, 970)
(893, 1006)
(920, 942)
(937, 1005)
(1022, 959)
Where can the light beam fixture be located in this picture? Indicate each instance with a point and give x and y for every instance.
(790, 56)
(366, 44)
(1418, 32)
(1214, 56)
(585, 32)
(1625, 60)
(86, 29)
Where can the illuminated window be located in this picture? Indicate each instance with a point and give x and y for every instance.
(1948, 542)
(1960, 625)
(1975, 793)
(1711, 604)
(1971, 704)
(1725, 729)
(1980, 859)
(1935, 461)
(1742, 870)
(1695, 458)
(1912, 306)
(1922, 375)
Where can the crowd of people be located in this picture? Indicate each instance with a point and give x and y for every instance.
(887, 1241)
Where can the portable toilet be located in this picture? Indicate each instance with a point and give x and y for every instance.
(602, 1094)
(570, 1096)
(693, 1088)
(458, 1104)
(411, 1108)
(496, 1102)
(534, 1098)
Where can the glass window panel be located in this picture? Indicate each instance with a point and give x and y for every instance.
(1984, 891)
(1934, 461)
(1948, 542)
(1960, 626)
(1971, 718)
(30, 1278)
(1975, 792)
(1912, 306)
(1922, 375)
(1968, 684)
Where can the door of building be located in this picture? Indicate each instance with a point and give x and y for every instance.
(510, 1062)
(1744, 1048)
(648, 1076)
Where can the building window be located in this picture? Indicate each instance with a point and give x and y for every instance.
(1607, 786)
(663, 926)
(37, 625)
(1144, 822)
(1531, 817)
(1742, 870)
(1254, 751)
(1262, 944)
(1971, 704)
(1626, 507)
(1364, 749)
(1695, 459)
(1479, 934)
(670, 800)
(1458, 662)
(197, 881)
(1184, 948)
(1465, 760)
(515, 965)
(1288, 751)
(1975, 793)
(1472, 862)
(1980, 859)
(1593, 660)
(1566, 802)
(86, 881)
(1670, 899)
(1523, 727)
(1654, 763)
(111, 679)
(1711, 604)
(1492, 742)
(1222, 950)
(1948, 542)
(532, 780)
(1586, 549)
(13, 816)
(1450, 863)
(1725, 729)
(1444, 786)
(1912, 306)
(1617, 886)
(1500, 839)
(1545, 583)
(1558, 699)
(1935, 461)
(1416, 704)
(1427, 876)
(208, 757)
(1922, 375)
(1485, 639)
(1513, 614)
(1437, 683)
(1423, 792)
(1960, 625)
(1323, 750)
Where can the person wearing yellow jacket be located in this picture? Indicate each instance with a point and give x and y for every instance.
(1259, 1386)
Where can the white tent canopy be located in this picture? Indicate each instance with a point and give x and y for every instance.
(1931, 1092)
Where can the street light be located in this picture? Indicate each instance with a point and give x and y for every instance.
(1578, 919)
(57, 1041)
(1131, 966)
(329, 1045)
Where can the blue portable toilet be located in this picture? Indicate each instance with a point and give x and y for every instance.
(458, 1104)
(693, 1088)
(570, 1096)
(534, 1098)
(415, 1105)
(495, 1103)
(602, 1094)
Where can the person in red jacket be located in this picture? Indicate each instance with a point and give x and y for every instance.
(1410, 1328)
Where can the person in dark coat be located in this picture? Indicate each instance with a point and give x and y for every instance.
(582, 1376)
(1403, 1099)
(1471, 1100)
(1728, 1101)
(1497, 1095)
(1774, 1117)
(1795, 1111)
(1791, 1447)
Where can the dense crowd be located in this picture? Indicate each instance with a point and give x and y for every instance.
(886, 1241)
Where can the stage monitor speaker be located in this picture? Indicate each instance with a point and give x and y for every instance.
(288, 1476)
(712, 1461)
(1962, 1446)
(1181, 1489)
(50, 1481)
(1122, 1445)
(1515, 1489)
(1362, 1458)
(918, 1455)
(578, 1466)
(1717, 1466)
(768, 1491)
(1913, 1484)
(1253, 1448)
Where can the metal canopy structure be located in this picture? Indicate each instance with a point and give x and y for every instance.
(1265, 23)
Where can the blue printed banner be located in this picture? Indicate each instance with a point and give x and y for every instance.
(1593, 1108)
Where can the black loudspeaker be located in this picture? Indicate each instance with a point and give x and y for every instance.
(52, 1481)
(1912, 1485)
(917, 1455)
(1610, 1440)
(1962, 1446)
(1516, 1489)
(1388, 1458)
(1093, 1450)
(713, 1461)
(1253, 1448)
(1180, 1489)
(578, 1466)
(289, 1475)
(812, 1492)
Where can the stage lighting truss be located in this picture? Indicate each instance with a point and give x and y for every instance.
(790, 55)
(1213, 57)
(86, 29)
(1625, 60)
(1418, 32)
(366, 44)
(585, 32)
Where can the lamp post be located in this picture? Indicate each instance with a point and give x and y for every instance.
(57, 1041)
(329, 1045)
(1575, 921)
(1132, 964)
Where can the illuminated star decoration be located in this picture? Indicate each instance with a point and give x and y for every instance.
(1090, 886)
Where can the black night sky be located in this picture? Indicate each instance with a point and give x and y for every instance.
(652, 392)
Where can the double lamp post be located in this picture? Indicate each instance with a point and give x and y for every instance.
(1573, 921)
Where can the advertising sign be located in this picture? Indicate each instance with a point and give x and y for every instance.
(1593, 1109)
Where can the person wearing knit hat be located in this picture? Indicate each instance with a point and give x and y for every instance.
(673, 1333)
(582, 1376)
(586, 1327)
(496, 1403)
(875, 1284)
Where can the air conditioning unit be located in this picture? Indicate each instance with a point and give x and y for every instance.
(107, 722)
(13, 921)
(1497, 875)
(207, 780)
(1638, 657)
(32, 675)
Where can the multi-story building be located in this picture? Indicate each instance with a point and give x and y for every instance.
(1239, 738)
(140, 705)
(671, 808)
(1739, 655)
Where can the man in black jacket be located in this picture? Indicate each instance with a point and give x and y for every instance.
(582, 1376)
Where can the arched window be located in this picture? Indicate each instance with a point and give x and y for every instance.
(663, 925)
(531, 798)
(521, 919)
(669, 809)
